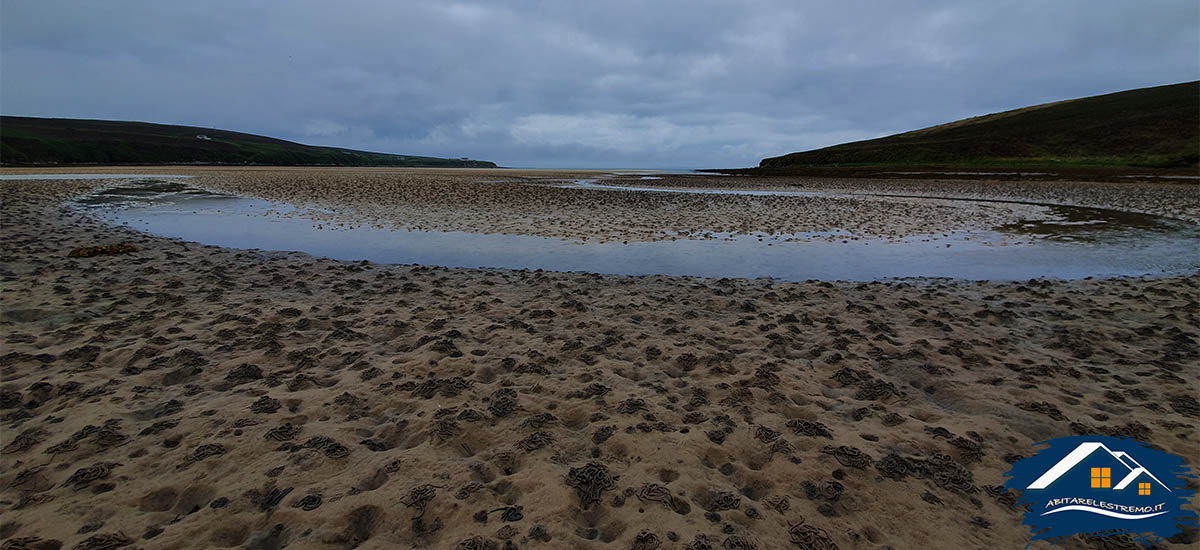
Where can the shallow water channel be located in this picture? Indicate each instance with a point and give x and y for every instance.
(1076, 243)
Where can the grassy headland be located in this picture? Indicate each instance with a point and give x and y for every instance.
(40, 141)
(1155, 127)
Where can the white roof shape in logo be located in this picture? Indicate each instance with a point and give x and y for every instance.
(1085, 450)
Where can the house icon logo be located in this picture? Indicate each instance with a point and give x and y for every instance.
(1101, 478)
(1102, 485)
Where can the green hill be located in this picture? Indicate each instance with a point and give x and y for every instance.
(27, 140)
(1150, 127)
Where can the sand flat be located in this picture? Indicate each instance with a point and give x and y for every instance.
(188, 396)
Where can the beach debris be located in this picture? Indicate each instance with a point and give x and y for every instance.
(653, 492)
(265, 405)
(204, 451)
(947, 473)
(535, 441)
(1186, 405)
(445, 387)
(506, 532)
(876, 390)
(765, 434)
(467, 490)
(631, 405)
(645, 540)
(418, 497)
(603, 433)
(510, 513)
(539, 532)
(826, 490)
(166, 408)
(848, 456)
(476, 543)
(809, 428)
(1043, 408)
(30, 479)
(336, 450)
(318, 442)
(244, 373)
(537, 421)
(783, 447)
(721, 501)
(968, 450)
(592, 390)
(738, 542)
(271, 499)
(308, 502)
(470, 415)
(24, 441)
(446, 428)
(1005, 497)
(85, 476)
(778, 503)
(506, 461)
(102, 250)
(896, 467)
(503, 402)
(939, 431)
(31, 543)
(810, 537)
(285, 432)
(1114, 541)
(847, 376)
(32, 500)
(107, 541)
(589, 481)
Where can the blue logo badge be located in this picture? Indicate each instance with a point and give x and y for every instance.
(1101, 485)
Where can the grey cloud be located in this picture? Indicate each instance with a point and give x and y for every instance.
(590, 84)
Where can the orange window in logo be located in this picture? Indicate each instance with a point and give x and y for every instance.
(1102, 478)
(1143, 488)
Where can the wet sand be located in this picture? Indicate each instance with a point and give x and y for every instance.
(186, 396)
(455, 201)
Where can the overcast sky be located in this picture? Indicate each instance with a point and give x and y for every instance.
(580, 84)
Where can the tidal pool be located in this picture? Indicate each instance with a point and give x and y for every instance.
(1069, 243)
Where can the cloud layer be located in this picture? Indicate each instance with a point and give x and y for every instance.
(597, 84)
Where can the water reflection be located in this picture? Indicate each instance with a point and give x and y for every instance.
(1073, 243)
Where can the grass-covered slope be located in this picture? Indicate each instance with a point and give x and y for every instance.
(1152, 127)
(27, 140)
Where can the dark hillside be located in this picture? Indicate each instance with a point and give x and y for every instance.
(1150, 127)
(27, 140)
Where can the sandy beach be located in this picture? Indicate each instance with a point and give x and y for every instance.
(188, 396)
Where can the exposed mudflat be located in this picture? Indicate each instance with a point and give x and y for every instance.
(185, 396)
